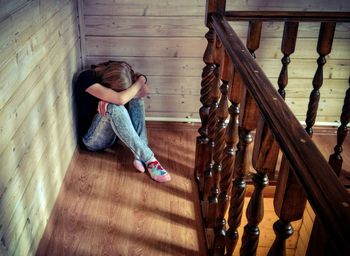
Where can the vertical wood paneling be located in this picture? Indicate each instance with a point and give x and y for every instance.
(40, 53)
(165, 40)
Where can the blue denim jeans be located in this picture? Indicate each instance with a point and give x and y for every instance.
(128, 125)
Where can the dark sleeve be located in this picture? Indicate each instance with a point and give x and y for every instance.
(85, 103)
(86, 79)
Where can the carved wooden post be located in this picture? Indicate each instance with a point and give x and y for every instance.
(247, 123)
(231, 143)
(265, 156)
(214, 6)
(226, 167)
(253, 38)
(219, 138)
(212, 121)
(208, 81)
(336, 160)
(318, 243)
(248, 245)
(324, 46)
(288, 46)
(289, 204)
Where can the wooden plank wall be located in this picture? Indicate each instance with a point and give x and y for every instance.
(39, 53)
(165, 39)
(305, 231)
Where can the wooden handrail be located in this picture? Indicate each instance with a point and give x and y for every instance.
(328, 197)
(287, 16)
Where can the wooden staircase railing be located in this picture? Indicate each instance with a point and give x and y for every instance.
(225, 152)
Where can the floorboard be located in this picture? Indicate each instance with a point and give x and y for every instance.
(106, 207)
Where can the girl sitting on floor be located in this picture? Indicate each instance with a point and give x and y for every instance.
(110, 106)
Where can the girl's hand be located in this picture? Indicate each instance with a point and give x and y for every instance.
(143, 91)
(142, 79)
(102, 107)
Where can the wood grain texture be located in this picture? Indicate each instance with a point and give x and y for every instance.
(40, 54)
(305, 230)
(128, 31)
(197, 7)
(294, 142)
(97, 213)
(107, 207)
(172, 26)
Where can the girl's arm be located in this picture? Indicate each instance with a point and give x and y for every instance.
(118, 98)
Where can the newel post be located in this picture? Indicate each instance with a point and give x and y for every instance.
(214, 6)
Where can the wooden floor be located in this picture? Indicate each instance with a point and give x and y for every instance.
(105, 207)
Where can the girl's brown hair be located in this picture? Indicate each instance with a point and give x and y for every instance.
(117, 75)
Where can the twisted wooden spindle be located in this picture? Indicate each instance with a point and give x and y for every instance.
(288, 46)
(228, 162)
(212, 121)
(324, 46)
(208, 80)
(265, 156)
(289, 203)
(219, 141)
(247, 123)
(319, 239)
(231, 139)
(215, 95)
(336, 160)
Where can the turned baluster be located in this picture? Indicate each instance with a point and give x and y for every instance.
(265, 156)
(289, 203)
(336, 160)
(219, 140)
(324, 46)
(209, 79)
(288, 46)
(318, 237)
(212, 121)
(247, 123)
(241, 167)
(253, 38)
(318, 243)
(253, 42)
(230, 136)
(231, 143)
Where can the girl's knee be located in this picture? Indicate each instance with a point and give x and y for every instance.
(137, 101)
(113, 108)
(137, 104)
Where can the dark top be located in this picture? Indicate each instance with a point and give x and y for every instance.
(86, 104)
